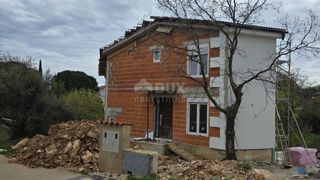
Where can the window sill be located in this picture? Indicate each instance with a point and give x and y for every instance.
(197, 134)
(198, 76)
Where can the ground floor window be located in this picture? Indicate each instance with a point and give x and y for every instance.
(197, 118)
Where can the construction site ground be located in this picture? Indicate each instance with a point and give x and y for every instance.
(74, 146)
(12, 171)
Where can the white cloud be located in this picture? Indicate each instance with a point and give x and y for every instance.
(67, 34)
(309, 67)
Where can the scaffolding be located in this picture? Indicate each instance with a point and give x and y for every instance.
(284, 108)
(286, 122)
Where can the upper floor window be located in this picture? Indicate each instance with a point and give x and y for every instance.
(198, 61)
(156, 54)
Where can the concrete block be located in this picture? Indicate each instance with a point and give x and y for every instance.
(216, 81)
(217, 143)
(218, 41)
(140, 162)
(151, 146)
(113, 140)
(217, 122)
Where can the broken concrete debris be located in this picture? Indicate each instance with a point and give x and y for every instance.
(174, 167)
(204, 169)
(73, 145)
(261, 174)
(21, 144)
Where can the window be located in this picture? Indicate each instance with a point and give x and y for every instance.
(195, 61)
(112, 119)
(198, 118)
(193, 118)
(156, 55)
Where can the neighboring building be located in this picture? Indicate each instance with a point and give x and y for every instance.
(316, 96)
(146, 89)
(102, 93)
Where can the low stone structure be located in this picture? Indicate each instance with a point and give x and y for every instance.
(114, 138)
(152, 146)
(140, 162)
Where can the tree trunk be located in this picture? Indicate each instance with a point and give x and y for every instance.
(230, 135)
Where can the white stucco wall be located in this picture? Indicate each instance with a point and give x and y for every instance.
(255, 123)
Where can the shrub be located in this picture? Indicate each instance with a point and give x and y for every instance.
(86, 104)
(244, 166)
(25, 98)
(312, 140)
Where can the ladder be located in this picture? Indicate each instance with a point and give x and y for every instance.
(285, 117)
(283, 139)
(283, 107)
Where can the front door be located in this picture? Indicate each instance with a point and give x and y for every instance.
(163, 118)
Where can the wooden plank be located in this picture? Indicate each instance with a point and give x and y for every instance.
(181, 152)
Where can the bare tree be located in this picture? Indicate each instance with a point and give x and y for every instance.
(301, 37)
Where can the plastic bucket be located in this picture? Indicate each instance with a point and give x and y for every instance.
(302, 171)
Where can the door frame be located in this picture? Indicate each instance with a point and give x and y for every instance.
(157, 101)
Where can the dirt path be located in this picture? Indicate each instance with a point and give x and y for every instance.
(10, 171)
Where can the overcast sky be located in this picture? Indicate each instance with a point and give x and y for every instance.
(67, 34)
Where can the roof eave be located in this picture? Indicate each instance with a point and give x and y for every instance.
(277, 33)
(140, 33)
(261, 32)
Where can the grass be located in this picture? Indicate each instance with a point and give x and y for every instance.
(6, 143)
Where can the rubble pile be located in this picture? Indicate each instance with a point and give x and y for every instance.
(73, 145)
(204, 169)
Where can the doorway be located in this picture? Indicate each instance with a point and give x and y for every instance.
(163, 117)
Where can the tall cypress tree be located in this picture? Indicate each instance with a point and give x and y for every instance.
(40, 67)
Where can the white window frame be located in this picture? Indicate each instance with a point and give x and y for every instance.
(193, 47)
(198, 102)
(156, 60)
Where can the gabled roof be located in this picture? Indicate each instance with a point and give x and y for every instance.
(214, 23)
(145, 26)
(164, 19)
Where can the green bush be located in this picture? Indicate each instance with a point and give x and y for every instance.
(244, 166)
(6, 143)
(312, 140)
(86, 104)
(48, 110)
(25, 98)
(310, 116)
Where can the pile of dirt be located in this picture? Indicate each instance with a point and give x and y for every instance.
(205, 169)
(73, 145)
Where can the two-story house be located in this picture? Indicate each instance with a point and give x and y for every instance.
(147, 85)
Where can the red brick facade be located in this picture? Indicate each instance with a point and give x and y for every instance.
(133, 62)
